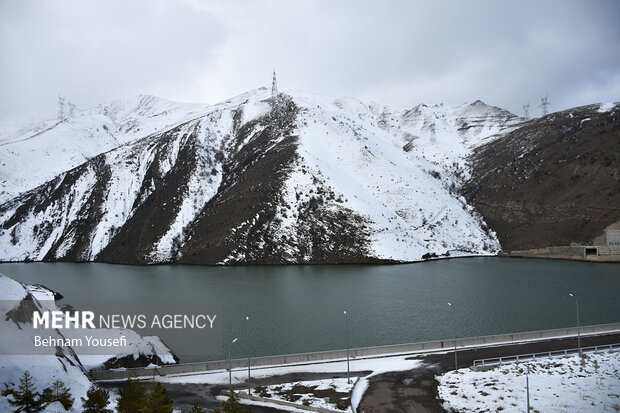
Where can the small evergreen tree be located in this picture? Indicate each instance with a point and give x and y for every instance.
(231, 405)
(96, 401)
(132, 397)
(157, 400)
(25, 398)
(58, 393)
(196, 409)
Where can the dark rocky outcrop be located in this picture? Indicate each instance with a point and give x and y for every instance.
(553, 181)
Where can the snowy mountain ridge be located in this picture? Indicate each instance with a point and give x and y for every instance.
(255, 179)
(35, 151)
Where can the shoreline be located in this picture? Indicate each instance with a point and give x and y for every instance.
(535, 253)
(584, 253)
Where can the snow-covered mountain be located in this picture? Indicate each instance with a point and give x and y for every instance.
(37, 150)
(256, 179)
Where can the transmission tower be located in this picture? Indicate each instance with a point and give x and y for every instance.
(274, 84)
(544, 104)
(61, 108)
(526, 111)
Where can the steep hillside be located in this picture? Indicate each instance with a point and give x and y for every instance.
(263, 179)
(19, 353)
(33, 151)
(554, 181)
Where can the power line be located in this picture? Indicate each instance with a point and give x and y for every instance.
(526, 111)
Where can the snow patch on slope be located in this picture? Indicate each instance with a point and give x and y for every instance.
(606, 107)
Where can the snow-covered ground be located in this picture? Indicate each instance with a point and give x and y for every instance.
(333, 394)
(18, 352)
(45, 368)
(376, 365)
(569, 384)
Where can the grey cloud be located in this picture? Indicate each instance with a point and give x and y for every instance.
(93, 51)
(395, 52)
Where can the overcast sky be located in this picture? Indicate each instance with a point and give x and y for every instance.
(399, 53)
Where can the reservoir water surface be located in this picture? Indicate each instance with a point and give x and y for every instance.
(296, 309)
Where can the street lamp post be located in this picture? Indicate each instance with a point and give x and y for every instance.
(247, 331)
(527, 386)
(346, 322)
(229, 363)
(456, 365)
(578, 324)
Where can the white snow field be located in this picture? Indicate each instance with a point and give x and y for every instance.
(568, 384)
(397, 168)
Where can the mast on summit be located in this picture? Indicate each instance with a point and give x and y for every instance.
(274, 84)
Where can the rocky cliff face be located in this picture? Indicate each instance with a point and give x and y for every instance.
(553, 181)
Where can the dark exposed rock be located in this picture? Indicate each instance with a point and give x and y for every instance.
(151, 218)
(131, 361)
(554, 181)
(238, 225)
(241, 215)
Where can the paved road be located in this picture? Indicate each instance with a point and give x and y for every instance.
(416, 390)
(403, 391)
(185, 395)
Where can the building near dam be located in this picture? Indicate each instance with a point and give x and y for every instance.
(604, 249)
(613, 237)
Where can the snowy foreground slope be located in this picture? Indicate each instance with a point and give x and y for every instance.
(258, 179)
(18, 352)
(560, 385)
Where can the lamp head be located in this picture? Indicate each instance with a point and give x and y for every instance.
(235, 340)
